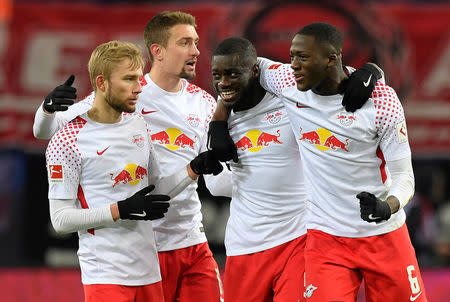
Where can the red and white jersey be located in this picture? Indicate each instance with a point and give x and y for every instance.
(343, 153)
(269, 198)
(179, 124)
(99, 164)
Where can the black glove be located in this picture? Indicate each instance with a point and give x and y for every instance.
(220, 142)
(372, 208)
(61, 97)
(205, 163)
(143, 206)
(359, 87)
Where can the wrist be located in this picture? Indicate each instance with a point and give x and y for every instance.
(394, 203)
(191, 172)
(114, 208)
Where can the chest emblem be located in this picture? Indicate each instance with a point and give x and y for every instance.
(193, 120)
(274, 117)
(138, 140)
(346, 118)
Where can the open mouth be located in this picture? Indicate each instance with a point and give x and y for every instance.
(191, 64)
(299, 77)
(227, 95)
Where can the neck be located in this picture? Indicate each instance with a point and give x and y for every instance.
(332, 84)
(164, 80)
(102, 112)
(252, 98)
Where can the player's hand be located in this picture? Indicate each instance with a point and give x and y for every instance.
(206, 163)
(61, 97)
(359, 86)
(372, 208)
(143, 206)
(220, 142)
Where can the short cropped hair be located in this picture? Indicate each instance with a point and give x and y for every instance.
(236, 45)
(323, 33)
(107, 55)
(157, 29)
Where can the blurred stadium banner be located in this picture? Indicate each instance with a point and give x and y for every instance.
(43, 43)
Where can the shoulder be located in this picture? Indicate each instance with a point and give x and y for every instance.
(280, 73)
(67, 136)
(385, 97)
(197, 91)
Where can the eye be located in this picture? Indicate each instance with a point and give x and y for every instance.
(235, 74)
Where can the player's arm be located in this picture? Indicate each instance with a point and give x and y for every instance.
(395, 148)
(48, 121)
(67, 218)
(374, 209)
(219, 141)
(142, 205)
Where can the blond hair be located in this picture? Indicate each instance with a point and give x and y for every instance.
(107, 55)
(157, 29)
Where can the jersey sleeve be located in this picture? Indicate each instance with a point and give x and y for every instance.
(275, 77)
(390, 123)
(47, 124)
(64, 162)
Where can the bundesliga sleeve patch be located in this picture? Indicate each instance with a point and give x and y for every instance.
(55, 173)
(402, 134)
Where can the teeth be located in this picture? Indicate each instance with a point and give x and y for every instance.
(227, 93)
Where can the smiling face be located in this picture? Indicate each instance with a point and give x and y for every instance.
(179, 57)
(123, 87)
(233, 78)
(309, 61)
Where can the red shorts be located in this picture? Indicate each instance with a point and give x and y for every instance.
(275, 274)
(335, 267)
(190, 275)
(122, 293)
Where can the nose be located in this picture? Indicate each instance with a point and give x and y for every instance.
(223, 82)
(295, 63)
(195, 50)
(138, 88)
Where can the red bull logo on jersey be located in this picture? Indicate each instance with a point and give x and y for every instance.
(131, 174)
(274, 117)
(255, 140)
(193, 120)
(173, 139)
(346, 118)
(324, 140)
(138, 140)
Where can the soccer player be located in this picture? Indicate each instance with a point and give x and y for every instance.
(103, 155)
(178, 114)
(357, 168)
(265, 234)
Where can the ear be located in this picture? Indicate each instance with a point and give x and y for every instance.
(157, 51)
(332, 59)
(100, 82)
(255, 71)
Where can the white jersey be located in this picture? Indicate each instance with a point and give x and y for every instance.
(269, 198)
(179, 124)
(99, 164)
(343, 153)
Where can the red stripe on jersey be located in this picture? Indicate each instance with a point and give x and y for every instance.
(143, 81)
(84, 204)
(274, 66)
(383, 164)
